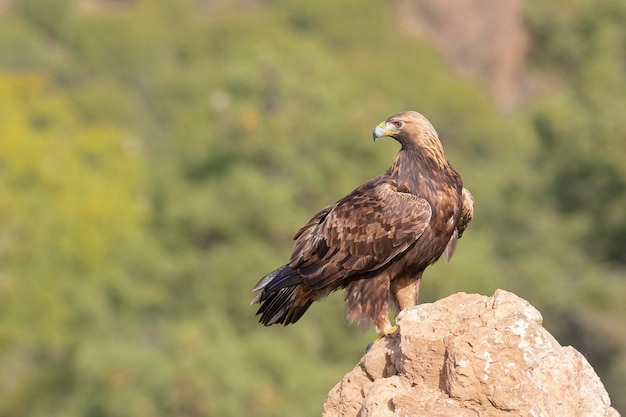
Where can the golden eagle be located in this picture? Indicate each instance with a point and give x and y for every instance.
(377, 241)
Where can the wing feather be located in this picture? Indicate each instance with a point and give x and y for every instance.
(467, 212)
(360, 233)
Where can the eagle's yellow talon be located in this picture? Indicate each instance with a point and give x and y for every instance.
(392, 329)
(386, 332)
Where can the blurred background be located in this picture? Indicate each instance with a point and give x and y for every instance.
(156, 158)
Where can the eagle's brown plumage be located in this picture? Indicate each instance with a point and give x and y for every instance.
(379, 239)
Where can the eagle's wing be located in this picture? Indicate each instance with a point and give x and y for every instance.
(467, 212)
(358, 234)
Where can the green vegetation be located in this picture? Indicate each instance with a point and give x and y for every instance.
(156, 159)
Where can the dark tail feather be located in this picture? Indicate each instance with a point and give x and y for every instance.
(281, 302)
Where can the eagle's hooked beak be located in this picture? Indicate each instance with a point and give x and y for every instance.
(381, 130)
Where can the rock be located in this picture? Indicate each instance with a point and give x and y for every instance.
(470, 355)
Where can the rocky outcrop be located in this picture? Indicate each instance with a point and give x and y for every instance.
(470, 355)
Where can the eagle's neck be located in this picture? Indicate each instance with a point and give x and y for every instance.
(415, 168)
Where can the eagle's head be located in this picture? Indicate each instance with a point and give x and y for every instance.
(413, 131)
(406, 127)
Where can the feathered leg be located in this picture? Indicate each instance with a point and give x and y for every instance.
(366, 300)
(382, 323)
(406, 290)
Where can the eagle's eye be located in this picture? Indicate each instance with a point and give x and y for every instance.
(397, 125)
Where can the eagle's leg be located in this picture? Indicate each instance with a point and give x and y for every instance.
(382, 323)
(406, 290)
(383, 327)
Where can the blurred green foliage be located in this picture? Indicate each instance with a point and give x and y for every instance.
(156, 159)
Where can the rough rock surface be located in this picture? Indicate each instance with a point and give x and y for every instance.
(470, 355)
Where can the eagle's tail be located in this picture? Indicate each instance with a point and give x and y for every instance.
(283, 299)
